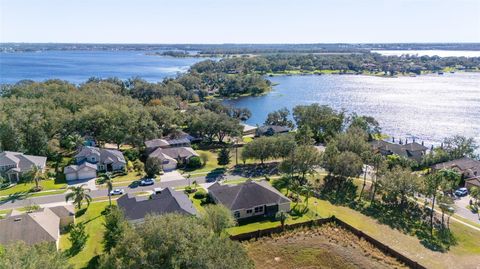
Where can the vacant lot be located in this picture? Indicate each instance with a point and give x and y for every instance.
(324, 247)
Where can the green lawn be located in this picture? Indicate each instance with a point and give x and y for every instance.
(94, 226)
(26, 187)
(129, 177)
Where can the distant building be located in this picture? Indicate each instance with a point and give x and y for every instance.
(413, 151)
(248, 129)
(35, 227)
(14, 164)
(136, 208)
(269, 130)
(250, 199)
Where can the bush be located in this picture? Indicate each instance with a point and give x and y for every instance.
(194, 162)
(200, 194)
(131, 154)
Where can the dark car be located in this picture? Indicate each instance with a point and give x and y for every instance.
(147, 182)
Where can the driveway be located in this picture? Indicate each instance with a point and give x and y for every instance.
(462, 210)
(90, 183)
(171, 176)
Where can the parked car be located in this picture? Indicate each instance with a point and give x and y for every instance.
(461, 192)
(117, 192)
(147, 182)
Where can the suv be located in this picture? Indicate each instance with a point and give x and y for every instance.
(147, 182)
(461, 192)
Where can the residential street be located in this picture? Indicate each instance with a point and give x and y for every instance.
(60, 198)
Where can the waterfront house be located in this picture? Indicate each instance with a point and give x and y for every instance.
(14, 164)
(467, 167)
(136, 208)
(248, 129)
(250, 199)
(269, 130)
(413, 151)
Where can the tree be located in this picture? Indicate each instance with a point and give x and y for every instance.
(153, 167)
(40, 256)
(223, 156)
(138, 166)
(460, 146)
(282, 217)
(304, 136)
(115, 226)
(36, 174)
(446, 204)
(432, 185)
(185, 243)
(321, 119)
(280, 118)
(218, 218)
(366, 123)
(78, 194)
(78, 238)
(303, 161)
(307, 191)
(107, 179)
(399, 184)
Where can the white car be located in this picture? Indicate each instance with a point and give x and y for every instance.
(117, 192)
(461, 192)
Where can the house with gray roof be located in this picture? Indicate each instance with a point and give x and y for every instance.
(171, 158)
(269, 130)
(469, 168)
(180, 139)
(250, 199)
(32, 228)
(413, 151)
(105, 159)
(136, 208)
(83, 171)
(14, 164)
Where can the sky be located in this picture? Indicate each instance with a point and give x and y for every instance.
(239, 21)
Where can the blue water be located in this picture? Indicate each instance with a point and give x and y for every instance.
(78, 66)
(428, 107)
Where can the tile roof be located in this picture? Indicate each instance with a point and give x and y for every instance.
(246, 195)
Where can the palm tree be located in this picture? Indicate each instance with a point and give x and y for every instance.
(306, 190)
(78, 194)
(36, 174)
(107, 178)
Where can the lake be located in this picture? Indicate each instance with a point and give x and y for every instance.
(428, 107)
(78, 66)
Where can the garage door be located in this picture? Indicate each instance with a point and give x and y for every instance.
(86, 174)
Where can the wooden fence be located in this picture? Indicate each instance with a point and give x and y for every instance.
(277, 230)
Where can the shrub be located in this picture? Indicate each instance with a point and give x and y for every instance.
(200, 194)
(194, 162)
(131, 154)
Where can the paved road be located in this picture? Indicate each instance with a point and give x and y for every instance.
(59, 198)
(461, 209)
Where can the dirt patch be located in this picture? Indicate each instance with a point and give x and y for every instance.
(322, 247)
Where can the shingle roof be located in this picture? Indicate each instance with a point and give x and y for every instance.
(32, 228)
(275, 128)
(168, 201)
(22, 161)
(109, 155)
(412, 150)
(463, 164)
(246, 195)
(156, 143)
(74, 168)
(63, 211)
(173, 153)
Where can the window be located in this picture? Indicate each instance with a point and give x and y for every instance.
(236, 214)
(258, 209)
(249, 211)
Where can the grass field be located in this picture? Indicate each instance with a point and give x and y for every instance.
(94, 220)
(26, 187)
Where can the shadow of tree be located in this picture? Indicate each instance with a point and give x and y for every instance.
(15, 197)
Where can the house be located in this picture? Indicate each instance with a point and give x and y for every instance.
(248, 129)
(106, 159)
(32, 228)
(172, 157)
(467, 167)
(136, 208)
(14, 164)
(269, 130)
(66, 214)
(473, 182)
(180, 139)
(250, 199)
(80, 172)
(413, 151)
